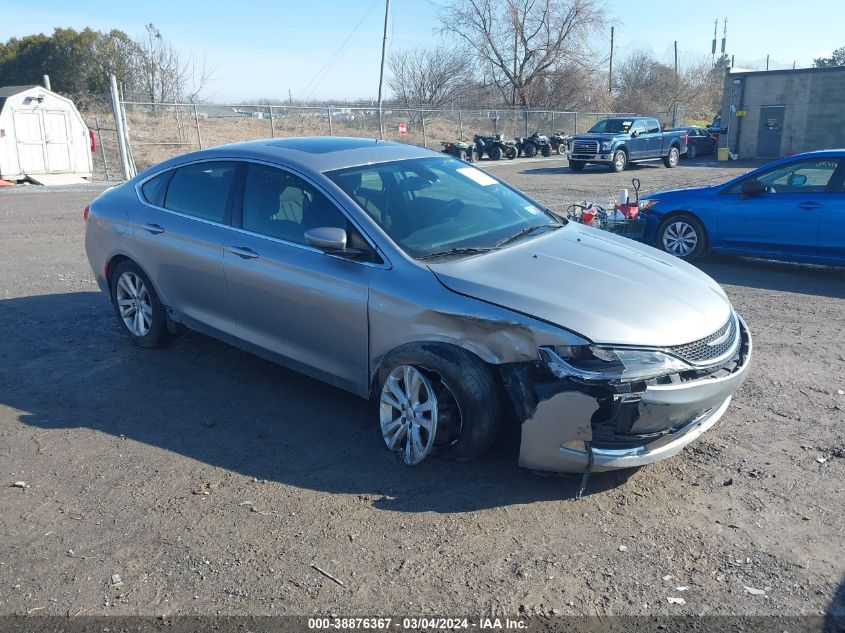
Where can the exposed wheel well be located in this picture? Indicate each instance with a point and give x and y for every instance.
(112, 264)
(442, 347)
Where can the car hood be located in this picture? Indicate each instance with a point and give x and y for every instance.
(608, 289)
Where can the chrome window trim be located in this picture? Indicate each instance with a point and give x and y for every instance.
(385, 265)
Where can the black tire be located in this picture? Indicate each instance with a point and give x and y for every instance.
(672, 158)
(619, 162)
(561, 148)
(546, 151)
(462, 155)
(510, 152)
(670, 226)
(576, 165)
(529, 150)
(692, 152)
(468, 429)
(495, 153)
(157, 333)
(471, 155)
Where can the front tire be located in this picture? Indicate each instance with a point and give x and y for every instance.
(682, 236)
(576, 165)
(620, 161)
(672, 159)
(510, 152)
(495, 153)
(530, 150)
(137, 305)
(546, 151)
(463, 417)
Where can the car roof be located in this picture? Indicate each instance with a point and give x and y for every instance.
(310, 154)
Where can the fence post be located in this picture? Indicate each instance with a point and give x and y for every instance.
(197, 121)
(553, 122)
(329, 113)
(422, 114)
(576, 124)
(460, 124)
(118, 124)
(272, 124)
(102, 148)
(495, 121)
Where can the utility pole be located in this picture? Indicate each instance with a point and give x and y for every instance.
(610, 71)
(713, 48)
(675, 105)
(767, 61)
(381, 72)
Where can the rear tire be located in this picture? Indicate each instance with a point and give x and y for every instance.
(495, 153)
(672, 159)
(510, 152)
(692, 152)
(137, 306)
(546, 151)
(530, 150)
(576, 165)
(467, 399)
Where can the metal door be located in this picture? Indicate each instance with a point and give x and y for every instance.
(29, 131)
(770, 132)
(57, 137)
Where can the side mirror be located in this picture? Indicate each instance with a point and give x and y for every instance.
(752, 188)
(798, 180)
(327, 238)
(635, 133)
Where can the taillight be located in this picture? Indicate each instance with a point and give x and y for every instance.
(93, 140)
(86, 212)
(686, 138)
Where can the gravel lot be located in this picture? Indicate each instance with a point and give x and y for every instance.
(210, 481)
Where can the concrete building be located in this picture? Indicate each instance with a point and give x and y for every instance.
(42, 137)
(774, 113)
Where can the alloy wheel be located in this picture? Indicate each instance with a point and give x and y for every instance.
(680, 239)
(408, 414)
(134, 304)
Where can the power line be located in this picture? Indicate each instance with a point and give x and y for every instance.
(317, 78)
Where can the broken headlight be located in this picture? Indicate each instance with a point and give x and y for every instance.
(592, 363)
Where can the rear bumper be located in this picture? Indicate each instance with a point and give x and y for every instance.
(567, 430)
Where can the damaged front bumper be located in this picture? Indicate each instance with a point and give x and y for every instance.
(570, 426)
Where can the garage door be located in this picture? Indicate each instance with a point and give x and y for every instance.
(31, 145)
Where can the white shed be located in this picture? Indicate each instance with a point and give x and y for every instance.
(42, 135)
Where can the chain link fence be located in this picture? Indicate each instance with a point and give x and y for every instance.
(158, 131)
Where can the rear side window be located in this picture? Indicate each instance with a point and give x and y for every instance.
(652, 126)
(153, 190)
(201, 190)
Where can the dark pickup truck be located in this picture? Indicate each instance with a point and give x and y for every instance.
(619, 141)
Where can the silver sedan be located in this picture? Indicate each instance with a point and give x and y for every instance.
(454, 301)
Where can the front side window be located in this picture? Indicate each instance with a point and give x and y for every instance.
(807, 176)
(433, 205)
(279, 204)
(201, 190)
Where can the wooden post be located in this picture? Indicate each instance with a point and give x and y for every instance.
(197, 121)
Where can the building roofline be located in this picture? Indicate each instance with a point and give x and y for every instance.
(785, 71)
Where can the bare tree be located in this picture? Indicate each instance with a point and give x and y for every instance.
(428, 77)
(165, 74)
(519, 42)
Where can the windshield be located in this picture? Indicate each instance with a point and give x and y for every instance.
(612, 126)
(432, 206)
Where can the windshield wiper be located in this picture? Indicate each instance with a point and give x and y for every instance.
(527, 231)
(467, 250)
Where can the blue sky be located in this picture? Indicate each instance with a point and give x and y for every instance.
(265, 48)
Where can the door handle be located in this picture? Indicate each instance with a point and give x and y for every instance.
(809, 206)
(155, 229)
(243, 252)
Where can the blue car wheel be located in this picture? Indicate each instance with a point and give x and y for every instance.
(682, 236)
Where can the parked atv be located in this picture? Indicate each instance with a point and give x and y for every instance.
(533, 145)
(560, 142)
(495, 147)
(461, 149)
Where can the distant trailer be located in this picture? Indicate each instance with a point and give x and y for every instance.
(42, 137)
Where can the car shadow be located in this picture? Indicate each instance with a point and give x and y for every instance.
(67, 364)
(825, 281)
(834, 618)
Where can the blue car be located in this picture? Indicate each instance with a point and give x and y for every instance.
(792, 209)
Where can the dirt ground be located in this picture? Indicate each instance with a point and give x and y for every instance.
(198, 479)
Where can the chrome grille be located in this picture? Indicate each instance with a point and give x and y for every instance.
(585, 147)
(711, 349)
